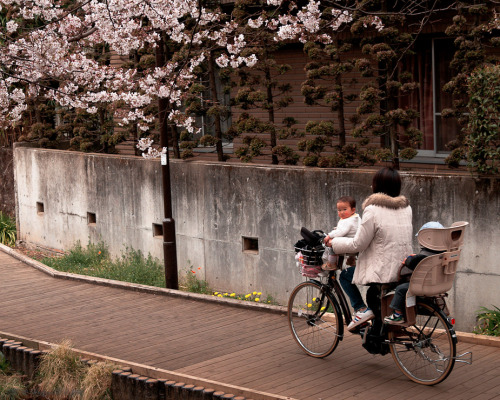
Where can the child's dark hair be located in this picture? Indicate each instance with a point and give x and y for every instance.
(387, 180)
(348, 199)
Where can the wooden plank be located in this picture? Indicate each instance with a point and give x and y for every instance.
(241, 347)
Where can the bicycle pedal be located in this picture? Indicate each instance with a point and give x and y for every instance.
(360, 328)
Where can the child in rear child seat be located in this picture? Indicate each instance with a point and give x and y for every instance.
(398, 303)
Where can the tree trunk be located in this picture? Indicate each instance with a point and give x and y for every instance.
(215, 100)
(340, 110)
(168, 225)
(270, 110)
(394, 146)
(174, 141)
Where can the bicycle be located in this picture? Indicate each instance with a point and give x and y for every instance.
(424, 347)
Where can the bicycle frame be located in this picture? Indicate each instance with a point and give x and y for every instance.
(335, 289)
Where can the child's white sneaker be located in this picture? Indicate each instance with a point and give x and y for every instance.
(359, 318)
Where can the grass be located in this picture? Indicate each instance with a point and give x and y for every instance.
(97, 381)
(11, 387)
(132, 266)
(488, 321)
(7, 230)
(62, 375)
(191, 283)
(95, 260)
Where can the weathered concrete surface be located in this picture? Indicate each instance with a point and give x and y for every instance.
(217, 205)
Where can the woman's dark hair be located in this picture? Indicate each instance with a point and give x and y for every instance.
(387, 180)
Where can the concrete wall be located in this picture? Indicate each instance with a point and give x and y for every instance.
(217, 205)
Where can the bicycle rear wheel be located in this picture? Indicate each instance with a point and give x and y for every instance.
(315, 319)
(425, 352)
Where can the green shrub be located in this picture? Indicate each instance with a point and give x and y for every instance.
(488, 322)
(484, 120)
(7, 230)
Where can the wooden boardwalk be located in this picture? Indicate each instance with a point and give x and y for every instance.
(243, 347)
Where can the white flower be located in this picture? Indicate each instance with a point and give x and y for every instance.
(144, 144)
(251, 60)
(222, 61)
(151, 153)
(257, 23)
(11, 26)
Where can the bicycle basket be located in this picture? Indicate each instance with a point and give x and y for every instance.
(309, 258)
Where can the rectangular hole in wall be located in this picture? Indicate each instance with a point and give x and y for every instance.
(39, 208)
(250, 245)
(91, 218)
(157, 230)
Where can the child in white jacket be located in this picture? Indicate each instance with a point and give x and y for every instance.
(347, 225)
(349, 220)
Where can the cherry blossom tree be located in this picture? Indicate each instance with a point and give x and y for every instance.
(47, 52)
(45, 49)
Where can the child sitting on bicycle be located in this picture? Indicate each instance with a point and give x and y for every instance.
(346, 227)
(349, 220)
(398, 303)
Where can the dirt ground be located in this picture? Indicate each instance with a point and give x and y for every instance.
(37, 253)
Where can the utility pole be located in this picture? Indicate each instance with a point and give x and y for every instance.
(169, 247)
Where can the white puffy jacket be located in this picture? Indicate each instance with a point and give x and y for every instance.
(383, 239)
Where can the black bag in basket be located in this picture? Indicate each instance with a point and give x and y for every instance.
(311, 238)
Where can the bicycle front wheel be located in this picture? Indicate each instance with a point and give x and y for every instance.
(424, 352)
(315, 319)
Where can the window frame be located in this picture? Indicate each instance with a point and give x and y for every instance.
(435, 155)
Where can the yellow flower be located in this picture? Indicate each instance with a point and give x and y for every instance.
(257, 299)
(216, 293)
(323, 308)
(309, 305)
(225, 294)
(233, 294)
(219, 295)
(314, 298)
(259, 293)
(247, 296)
(254, 293)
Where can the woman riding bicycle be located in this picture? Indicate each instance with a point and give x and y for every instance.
(383, 240)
